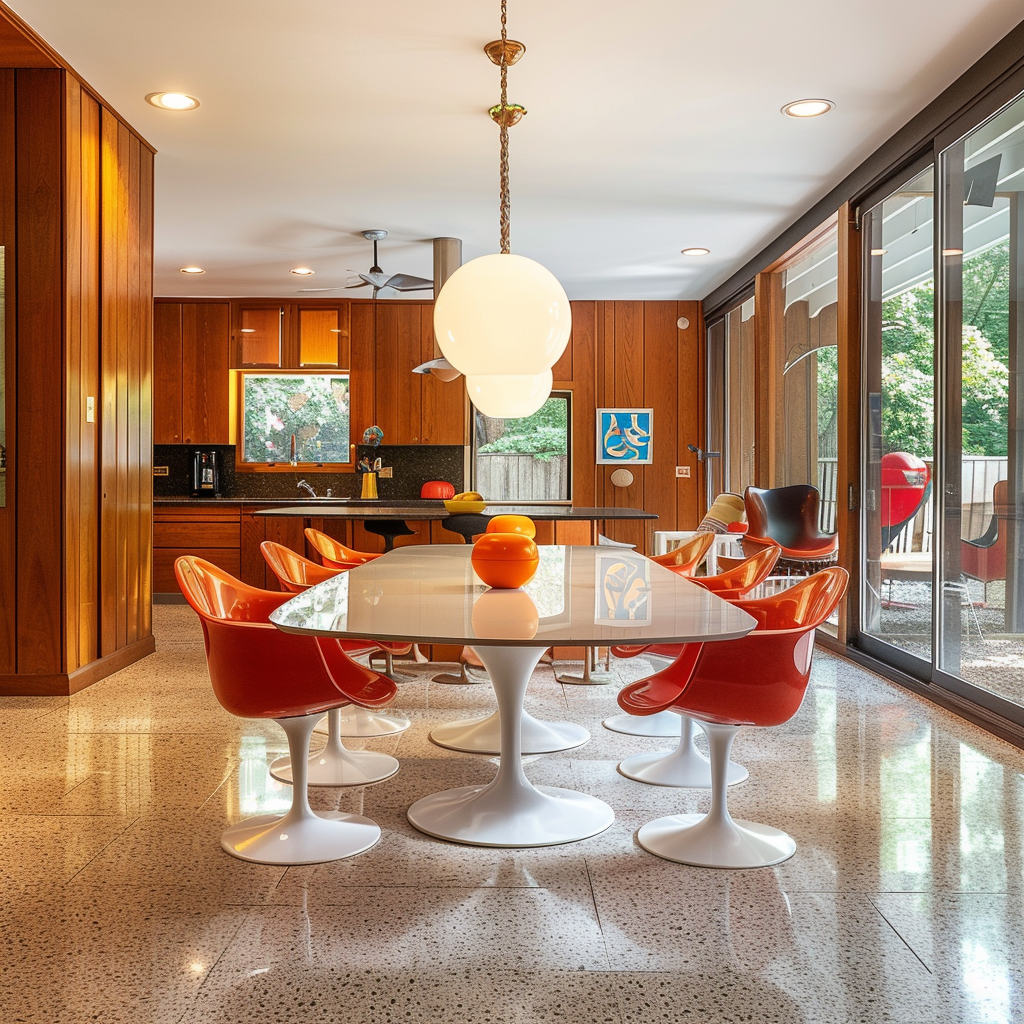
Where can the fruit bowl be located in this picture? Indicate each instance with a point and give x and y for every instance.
(459, 505)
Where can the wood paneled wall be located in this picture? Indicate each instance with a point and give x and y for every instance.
(77, 224)
(633, 354)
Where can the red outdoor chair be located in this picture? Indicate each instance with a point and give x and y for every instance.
(757, 680)
(258, 671)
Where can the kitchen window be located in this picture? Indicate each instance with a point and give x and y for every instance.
(314, 408)
(526, 459)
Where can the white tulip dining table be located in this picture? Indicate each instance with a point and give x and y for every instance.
(579, 597)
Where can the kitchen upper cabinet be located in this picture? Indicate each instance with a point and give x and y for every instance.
(413, 408)
(290, 335)
(190, 373)
(257, 335)
(204, 362)
(167, 376)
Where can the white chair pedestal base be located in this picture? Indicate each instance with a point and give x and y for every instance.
(336, 765)
(715, 839)
(359, 723)
(483, 735)
(684, 766)
(300, 836)
(664, 723)
(510, 811)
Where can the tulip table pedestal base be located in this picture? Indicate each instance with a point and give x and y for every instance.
(510, 811)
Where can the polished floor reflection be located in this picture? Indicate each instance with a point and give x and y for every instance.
(904, 902)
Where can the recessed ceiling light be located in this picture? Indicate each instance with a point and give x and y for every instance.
(952, 252)
(172, 101)
(696, 251)
(303, 271)
(879, 252)
(808, 108)
(191, 270)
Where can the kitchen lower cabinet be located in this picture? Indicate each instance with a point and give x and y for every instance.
(210, 532)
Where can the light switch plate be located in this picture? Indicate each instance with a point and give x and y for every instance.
(90, 409)
(683, 471)
(161, 471)
(386, 472)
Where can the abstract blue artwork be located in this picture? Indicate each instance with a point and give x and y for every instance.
(624, 436)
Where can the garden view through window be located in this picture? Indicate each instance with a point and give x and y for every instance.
(525, 459)
(313, 407)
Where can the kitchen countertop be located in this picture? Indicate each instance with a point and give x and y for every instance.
(436, 510)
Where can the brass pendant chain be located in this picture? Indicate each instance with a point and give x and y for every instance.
(506, 199)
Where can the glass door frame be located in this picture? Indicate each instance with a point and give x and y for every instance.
(907, 663)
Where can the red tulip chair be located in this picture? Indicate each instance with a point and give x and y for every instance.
(296, 574)
(758, 680)
(336, 555)
(257, 671)
(687, 557)
(686, 765)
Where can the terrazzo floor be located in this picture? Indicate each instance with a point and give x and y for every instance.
(904, 901)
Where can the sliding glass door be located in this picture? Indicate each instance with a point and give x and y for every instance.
(898, 379)
(980, 631)
(942, 476)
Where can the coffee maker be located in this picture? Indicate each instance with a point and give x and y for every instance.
(205, 475)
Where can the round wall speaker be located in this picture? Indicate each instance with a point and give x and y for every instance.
(622, 478)
(682, 323)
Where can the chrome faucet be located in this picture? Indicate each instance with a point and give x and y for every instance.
(303, 486)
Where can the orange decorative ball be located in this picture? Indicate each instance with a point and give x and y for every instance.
(505, 560)
(505, 615)
(513, 524)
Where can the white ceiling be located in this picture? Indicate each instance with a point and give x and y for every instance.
(652, 126)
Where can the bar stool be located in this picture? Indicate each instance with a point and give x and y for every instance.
(467, 525)
(257, 671)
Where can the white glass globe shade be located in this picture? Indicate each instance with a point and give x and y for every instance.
(502, 314)
(509, 396)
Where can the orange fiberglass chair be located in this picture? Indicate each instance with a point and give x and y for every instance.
(258, 671)
(336, 555)
(687, 557)
(788, 516)
(686, 764)
(758, 680)
(296, 574)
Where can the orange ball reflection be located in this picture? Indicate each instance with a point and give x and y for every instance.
(505, 615)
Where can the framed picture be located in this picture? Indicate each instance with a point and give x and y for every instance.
(624, 436)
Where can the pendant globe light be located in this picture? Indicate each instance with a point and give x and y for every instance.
(503, 320)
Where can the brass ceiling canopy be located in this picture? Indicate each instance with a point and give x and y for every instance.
(513, 50)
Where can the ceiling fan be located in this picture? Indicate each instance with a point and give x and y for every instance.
(377, 279)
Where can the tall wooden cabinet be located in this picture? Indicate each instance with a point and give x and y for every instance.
(190, 376)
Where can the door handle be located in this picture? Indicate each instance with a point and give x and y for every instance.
(703, 455)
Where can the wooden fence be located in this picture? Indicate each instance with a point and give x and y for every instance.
(503, 477)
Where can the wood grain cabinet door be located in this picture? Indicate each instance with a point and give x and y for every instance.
(167, 373)
(205, 340)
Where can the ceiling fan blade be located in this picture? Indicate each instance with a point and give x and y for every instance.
(408, 283)
(362, 284)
